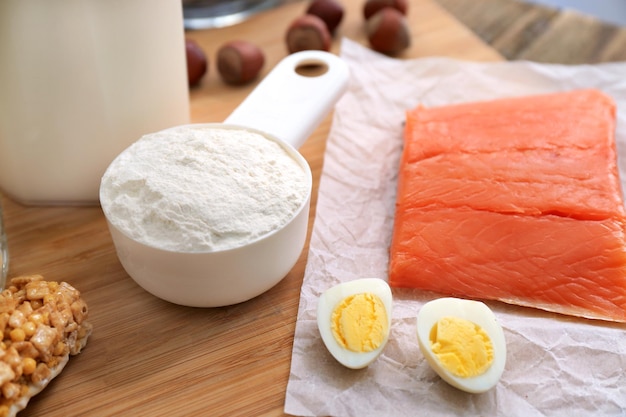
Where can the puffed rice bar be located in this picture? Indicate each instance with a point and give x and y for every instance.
(43, 323)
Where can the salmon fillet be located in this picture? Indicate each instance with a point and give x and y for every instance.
(517, 200)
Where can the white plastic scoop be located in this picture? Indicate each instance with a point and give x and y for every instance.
(285, 108)
(288, 105)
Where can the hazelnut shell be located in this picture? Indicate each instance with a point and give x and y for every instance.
(388, 32)
(330, 11)
(197, 62)
(308, 32)
(371, 7)
(239, 62)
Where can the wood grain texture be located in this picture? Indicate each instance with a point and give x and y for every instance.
(148, 357)
(524, 31)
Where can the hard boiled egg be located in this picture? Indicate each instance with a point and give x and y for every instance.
(462, 342)
(354, 320)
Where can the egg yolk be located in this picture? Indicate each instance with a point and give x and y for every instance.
(461, 346)
(359, 322)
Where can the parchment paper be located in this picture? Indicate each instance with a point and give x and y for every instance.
(556, 365)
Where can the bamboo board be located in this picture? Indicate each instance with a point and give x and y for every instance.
(149, 357)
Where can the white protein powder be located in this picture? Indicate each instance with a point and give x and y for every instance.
(202, 189)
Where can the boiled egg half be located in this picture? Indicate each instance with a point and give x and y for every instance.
(354, 320)
(463, 342)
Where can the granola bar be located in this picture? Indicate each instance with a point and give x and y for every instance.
(43, 323)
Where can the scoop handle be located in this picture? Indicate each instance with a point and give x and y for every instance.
(289, 105)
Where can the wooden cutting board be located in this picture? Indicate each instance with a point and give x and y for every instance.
(147, 356)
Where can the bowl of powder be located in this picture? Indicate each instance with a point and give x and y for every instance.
(214, 214)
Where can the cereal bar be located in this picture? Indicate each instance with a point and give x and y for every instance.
(42, 323)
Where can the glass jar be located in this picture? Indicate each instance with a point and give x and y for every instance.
(4, 252)
(80, 81)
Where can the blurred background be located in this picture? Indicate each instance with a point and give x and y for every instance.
(202, 14)
(611, 11)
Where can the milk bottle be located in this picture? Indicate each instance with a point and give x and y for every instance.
(80, 80)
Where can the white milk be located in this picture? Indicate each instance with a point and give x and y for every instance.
(80, 80)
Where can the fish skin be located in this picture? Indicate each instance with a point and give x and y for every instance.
(514, 211)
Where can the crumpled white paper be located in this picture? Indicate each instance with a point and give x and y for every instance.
(556, 365)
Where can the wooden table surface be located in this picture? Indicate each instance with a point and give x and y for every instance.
(150, 357)
(525, 31)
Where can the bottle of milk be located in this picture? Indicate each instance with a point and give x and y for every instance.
(80, 80)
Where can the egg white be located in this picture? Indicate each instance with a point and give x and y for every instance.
(333, 296)
(476, 312)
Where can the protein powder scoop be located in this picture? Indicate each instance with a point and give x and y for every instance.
(214, 214)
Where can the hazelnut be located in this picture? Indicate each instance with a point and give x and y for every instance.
(308, 32)
(197, 62)
(330, 11)
(388, 32)
(239, 62)
(372, 6)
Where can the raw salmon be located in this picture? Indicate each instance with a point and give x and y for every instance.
(517, 200)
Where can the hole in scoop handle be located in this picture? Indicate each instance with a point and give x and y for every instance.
(289, 105)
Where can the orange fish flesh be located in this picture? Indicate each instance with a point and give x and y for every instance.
(517, 200)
